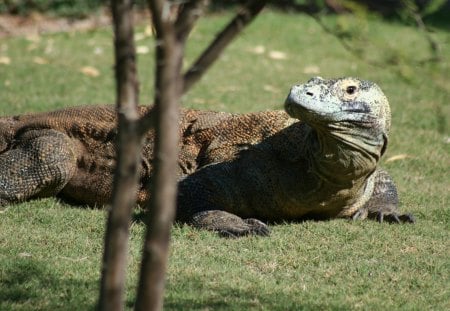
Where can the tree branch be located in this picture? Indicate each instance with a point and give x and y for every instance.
(434, 45)
(249, 11)
(188, 14)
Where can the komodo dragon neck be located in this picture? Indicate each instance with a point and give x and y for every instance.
(343, 157)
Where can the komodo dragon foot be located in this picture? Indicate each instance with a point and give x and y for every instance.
(381, 215)
(229, 225)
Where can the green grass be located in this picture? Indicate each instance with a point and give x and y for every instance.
(50, 252)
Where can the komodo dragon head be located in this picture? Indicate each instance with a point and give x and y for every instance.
(350, 117)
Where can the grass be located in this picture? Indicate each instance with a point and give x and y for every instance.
(50, 252)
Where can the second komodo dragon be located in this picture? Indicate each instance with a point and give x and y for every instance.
(234, 169)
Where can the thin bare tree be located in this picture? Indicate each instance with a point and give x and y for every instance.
(128, 157)
(170, 83)
(170, 37)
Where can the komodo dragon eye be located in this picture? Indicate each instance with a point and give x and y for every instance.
(351, 89)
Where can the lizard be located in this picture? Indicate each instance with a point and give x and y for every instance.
(325, 165)
(71, 153)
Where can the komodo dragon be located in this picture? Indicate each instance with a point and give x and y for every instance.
(71, 152)
(265, 165)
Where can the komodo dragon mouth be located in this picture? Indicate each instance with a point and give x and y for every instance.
(335, 101)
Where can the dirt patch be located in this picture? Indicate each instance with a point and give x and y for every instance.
(35, 24)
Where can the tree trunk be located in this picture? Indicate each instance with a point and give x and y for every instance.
(164, 186)
(128, 157)
(169, 56)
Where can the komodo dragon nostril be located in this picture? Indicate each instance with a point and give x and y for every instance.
(309, 93)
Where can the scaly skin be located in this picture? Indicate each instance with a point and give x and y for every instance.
(71, 152)
(324, 166)
(233, 168)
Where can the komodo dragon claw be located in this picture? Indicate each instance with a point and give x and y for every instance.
(229, 225)
(395, 218)
(255, 227)
(381, 216)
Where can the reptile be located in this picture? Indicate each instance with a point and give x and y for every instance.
(323, 166)
(71, 153)
(320, 159)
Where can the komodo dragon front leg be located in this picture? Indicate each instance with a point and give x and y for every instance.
(197, 205)
(39, 165)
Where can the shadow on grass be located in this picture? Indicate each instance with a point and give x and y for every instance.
(196, 295)
(140, 215)
(28, 284)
